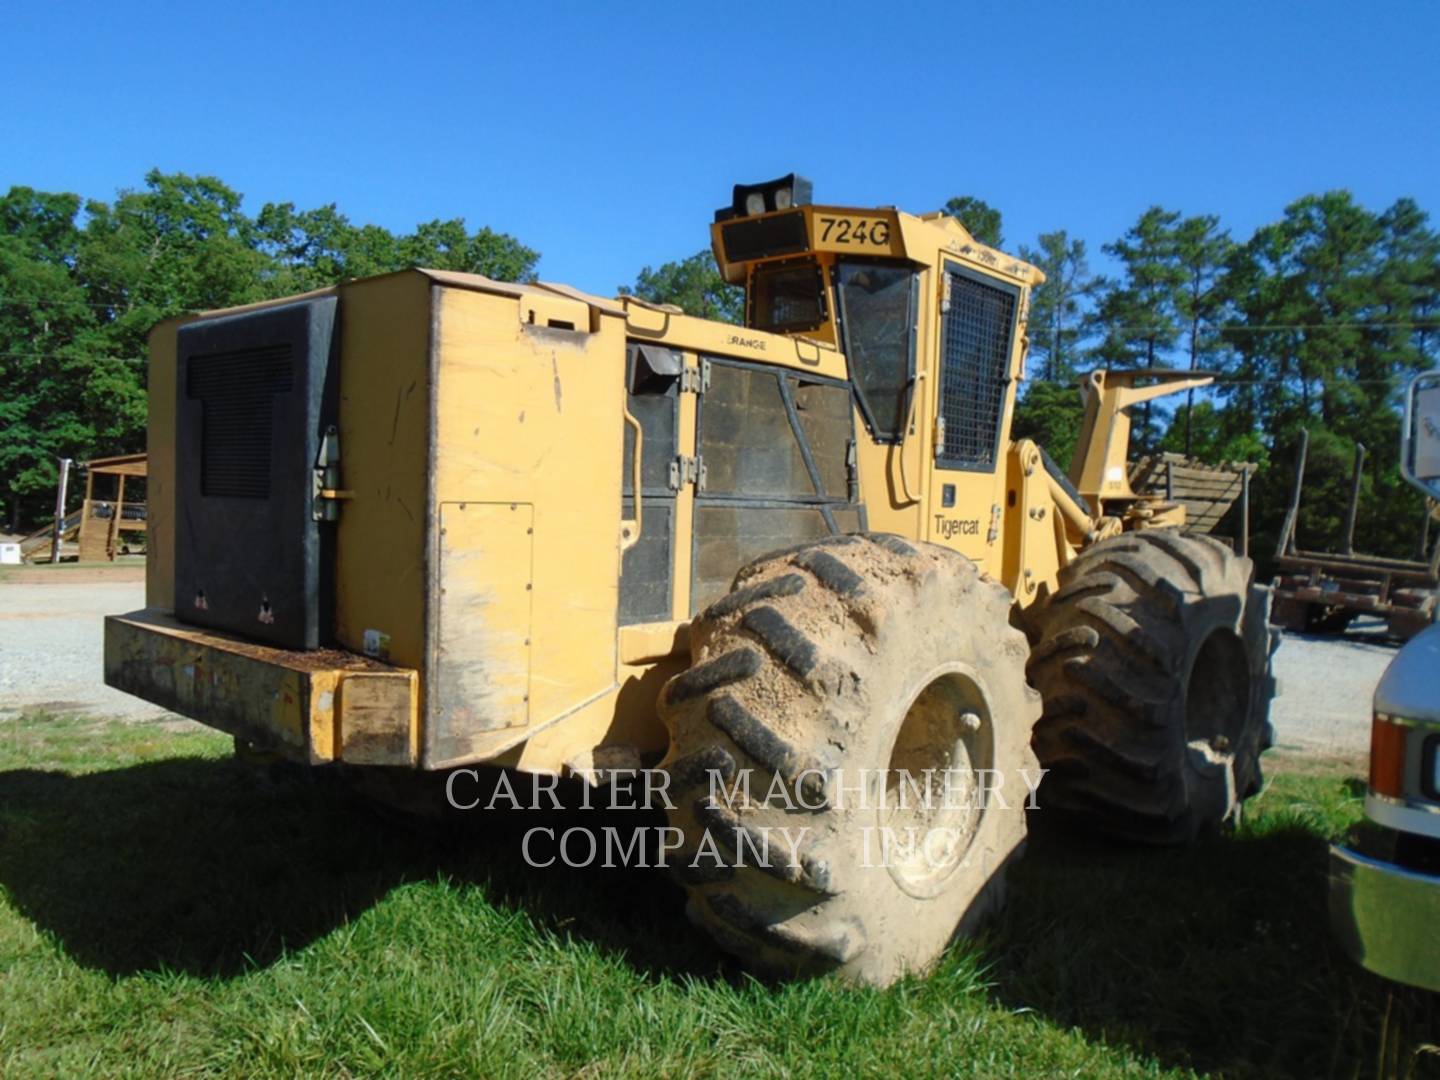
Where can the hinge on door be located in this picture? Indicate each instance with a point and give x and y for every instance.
(939, 437)
(687, 470)
(944, 293)
(695, 380)
(325, 496)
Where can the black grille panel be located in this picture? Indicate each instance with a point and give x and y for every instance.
(235, 391)
(978, 327)
(759, 238)
(255, 391)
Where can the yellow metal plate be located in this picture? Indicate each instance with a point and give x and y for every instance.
(482, 654)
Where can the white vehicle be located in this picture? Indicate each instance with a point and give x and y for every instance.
(1385, 884)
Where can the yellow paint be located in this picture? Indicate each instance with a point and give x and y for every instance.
(382, 535)
(283, 701)
(645, 322)
(532, 414)
(481, 672)
(1099, 470)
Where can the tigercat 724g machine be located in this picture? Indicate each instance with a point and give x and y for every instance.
(430, 520)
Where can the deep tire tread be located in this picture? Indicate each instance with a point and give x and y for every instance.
(770, 589)
(810, 874)
(830, 654)
(783, 639)
(767, 748)
(832, 573)
(730, 667)
(1110, 661)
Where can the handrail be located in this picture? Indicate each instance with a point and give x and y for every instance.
(630, 530)
(908, 430)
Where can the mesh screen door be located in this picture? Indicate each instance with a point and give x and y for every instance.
(976, 334)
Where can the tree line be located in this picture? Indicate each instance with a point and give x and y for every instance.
(83, 281)
(1313, 322)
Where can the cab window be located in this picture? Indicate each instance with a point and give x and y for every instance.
(877, 317)
(786, 298)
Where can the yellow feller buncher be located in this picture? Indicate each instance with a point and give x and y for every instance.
(430, 520)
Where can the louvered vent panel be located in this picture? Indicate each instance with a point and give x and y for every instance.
(235, 390)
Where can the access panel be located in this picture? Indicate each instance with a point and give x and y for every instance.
(254, 395)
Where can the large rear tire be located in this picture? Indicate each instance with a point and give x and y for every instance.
(1153, 662)
(841, 671)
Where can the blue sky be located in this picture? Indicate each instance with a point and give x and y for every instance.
(606, 136)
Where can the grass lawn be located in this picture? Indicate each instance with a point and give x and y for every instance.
(167, 910)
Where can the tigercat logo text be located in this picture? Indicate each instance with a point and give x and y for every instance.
(946, 527)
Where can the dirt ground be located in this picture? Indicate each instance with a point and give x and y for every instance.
(129, 570)
(51, 657)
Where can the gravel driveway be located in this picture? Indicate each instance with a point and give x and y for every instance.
(51, 646)
(51, 656)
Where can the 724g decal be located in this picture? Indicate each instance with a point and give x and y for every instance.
(858, 231)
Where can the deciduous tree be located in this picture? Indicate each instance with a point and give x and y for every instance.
(694, 285)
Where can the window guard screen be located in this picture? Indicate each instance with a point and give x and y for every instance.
(787, 297)
(976, 335)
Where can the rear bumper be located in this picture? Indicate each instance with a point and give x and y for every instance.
(313, 706)
(1385, 917)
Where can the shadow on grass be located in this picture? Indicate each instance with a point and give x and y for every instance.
(1218, 957)
(213, 867)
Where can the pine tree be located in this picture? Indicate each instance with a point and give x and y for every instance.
(1137, 317)
(981, 220)
(1201, 250)
(1057, 313)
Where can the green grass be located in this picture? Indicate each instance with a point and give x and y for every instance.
(167, 910)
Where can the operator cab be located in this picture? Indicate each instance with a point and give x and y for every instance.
(833, 274)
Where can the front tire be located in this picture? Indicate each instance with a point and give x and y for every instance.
(1153, 662)
(842, 671)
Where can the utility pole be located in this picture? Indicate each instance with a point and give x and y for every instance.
(59, 511)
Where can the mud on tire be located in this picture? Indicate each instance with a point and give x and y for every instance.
(856, 653)
(1153, 661)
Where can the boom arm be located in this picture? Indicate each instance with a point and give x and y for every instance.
(1098, 467)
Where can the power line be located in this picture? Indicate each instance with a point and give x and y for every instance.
(1248, 328)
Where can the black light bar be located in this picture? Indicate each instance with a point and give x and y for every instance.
(749, 200)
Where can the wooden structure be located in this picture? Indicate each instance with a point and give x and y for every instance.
(1324, 591)
(102, 520)
(1206, 491)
